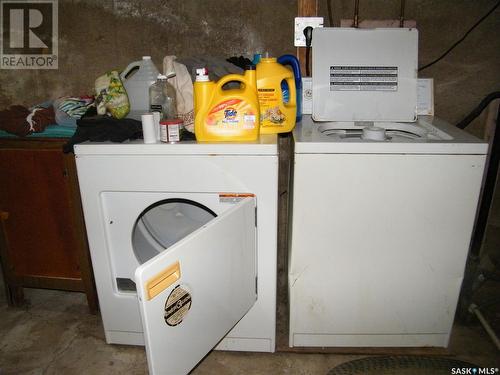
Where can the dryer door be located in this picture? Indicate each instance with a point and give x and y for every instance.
(193, 294)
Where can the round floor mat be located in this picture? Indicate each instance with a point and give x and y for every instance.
(400, 365)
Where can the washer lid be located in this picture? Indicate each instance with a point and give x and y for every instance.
(364, 74)
(428, 135)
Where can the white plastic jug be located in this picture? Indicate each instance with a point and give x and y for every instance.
(137, 85)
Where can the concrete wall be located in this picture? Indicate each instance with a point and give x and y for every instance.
(96, 36)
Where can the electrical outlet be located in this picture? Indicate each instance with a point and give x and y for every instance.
(300, 24)
(307, 95)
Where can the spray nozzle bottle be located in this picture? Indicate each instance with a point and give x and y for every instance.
(202, 75)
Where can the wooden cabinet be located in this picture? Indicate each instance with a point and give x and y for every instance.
(42, 235)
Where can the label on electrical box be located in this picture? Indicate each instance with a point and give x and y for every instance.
(363, 78)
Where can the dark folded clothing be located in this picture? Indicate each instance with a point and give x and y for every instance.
(99, 128)
(240, 61)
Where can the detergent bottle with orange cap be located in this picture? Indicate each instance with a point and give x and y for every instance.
(226, 114)
(277, 115)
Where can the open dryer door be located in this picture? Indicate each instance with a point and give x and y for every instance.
(191, 295)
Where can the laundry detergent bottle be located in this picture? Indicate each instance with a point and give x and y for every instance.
(276, 114)
(226, 114)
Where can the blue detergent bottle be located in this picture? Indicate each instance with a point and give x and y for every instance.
(293, 62)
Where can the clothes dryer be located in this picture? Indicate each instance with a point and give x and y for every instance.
(183, 245)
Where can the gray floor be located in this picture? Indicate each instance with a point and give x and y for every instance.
(54, 334)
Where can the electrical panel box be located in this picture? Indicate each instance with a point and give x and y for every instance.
(364, 74)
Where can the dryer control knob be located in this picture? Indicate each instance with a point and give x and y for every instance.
(374, 133)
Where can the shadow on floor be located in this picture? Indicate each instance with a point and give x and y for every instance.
(55, 334)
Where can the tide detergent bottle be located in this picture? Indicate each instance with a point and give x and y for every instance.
(226, 114)
(277, 115)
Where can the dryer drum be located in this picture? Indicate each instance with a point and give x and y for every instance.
(166, 222)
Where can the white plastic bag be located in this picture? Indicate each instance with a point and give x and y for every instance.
(181, 80)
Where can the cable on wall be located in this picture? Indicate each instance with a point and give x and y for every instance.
(461, 39)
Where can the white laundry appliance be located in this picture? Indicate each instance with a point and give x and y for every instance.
(183, 245)
(383, 206)
(380, 232)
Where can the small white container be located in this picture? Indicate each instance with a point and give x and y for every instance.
(148, 128)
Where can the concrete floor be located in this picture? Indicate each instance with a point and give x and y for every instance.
(55, 334)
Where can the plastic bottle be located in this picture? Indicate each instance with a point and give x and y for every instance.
(203, 88)
(137, 84)
(162, 98)
(256, 58)
(226, 114)
(276, 115)
(293, 62)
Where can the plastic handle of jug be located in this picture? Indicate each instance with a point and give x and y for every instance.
(293, 93)
(229, 78)
(294, 63)
(127, 70)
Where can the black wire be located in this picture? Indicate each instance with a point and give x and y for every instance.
(478, 109)
(402, 14)
(308, 34)
(461, 39)
(356, 14)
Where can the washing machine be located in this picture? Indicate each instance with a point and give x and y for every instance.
(380, 232)
(183, 245)
(383, 203)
